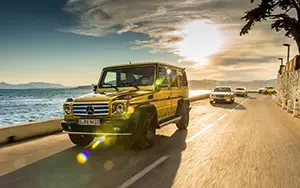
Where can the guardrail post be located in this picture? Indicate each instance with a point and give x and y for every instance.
(289, 106)
(273, 98)
(277, 100)
(296, 108)
(283, 104)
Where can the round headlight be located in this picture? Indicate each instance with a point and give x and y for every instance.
(68, 109)
(120, 108)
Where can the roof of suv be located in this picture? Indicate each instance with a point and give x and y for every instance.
(144, 63)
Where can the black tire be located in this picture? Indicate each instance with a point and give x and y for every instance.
(184, 112)
(143, 137)
(232, 101)
(81, 140)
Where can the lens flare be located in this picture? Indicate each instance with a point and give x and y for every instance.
(108, 165)
(130, 109)
(101, 139)
(159, 81)
(83, 157)
(169, 71)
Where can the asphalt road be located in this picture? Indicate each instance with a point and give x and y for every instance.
(250, 143)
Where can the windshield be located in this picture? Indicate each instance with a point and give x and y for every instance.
(239, 89)
(222, 89)
(129, 76)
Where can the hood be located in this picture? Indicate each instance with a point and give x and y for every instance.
(110, 96)
(220, 93)
(240, 91)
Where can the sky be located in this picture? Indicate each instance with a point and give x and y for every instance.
(70, 41)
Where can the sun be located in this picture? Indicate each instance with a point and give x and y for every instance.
(201, 40)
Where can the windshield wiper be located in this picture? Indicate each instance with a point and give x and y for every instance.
(108, 84)
(132, 85)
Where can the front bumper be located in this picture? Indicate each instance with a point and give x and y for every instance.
(105, 129)
(220, 99)
(240, 94)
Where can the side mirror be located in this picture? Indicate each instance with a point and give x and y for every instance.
(94, 87)
(156, 88)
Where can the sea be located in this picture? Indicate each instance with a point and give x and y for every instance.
(22, 106)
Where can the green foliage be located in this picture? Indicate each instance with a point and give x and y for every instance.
(281, 21)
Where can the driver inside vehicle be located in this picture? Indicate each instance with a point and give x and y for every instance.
(146, 79)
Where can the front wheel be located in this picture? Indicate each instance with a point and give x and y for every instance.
(81, 140)
(185, 116)
(143, 138)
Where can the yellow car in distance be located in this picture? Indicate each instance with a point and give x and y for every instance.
(130, 100)
(269, 90)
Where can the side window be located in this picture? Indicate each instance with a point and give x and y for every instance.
(162, 77)
(110, 78)
(182, 78)
(173, 78)
(123, 76)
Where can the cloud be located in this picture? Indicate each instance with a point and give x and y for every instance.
(212, 46)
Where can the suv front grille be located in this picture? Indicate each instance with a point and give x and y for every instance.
(91, 109)
(220, 96)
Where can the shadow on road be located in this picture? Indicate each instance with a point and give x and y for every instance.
(164, 174)
(105, 167)
(235, 105)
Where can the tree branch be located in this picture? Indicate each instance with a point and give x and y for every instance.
(290, 25)
(297, 7)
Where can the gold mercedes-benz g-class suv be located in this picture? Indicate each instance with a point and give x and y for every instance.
(129, 100)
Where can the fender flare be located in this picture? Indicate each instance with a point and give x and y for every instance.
(139, 111)
(181, 103)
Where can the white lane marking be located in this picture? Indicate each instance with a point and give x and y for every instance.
(199, 133)
(244, 101)
(220, 118)
(142, 173)
(238, 105)
(210, 125)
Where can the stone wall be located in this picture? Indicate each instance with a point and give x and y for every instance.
(288, 80)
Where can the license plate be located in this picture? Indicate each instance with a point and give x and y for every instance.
(89, 121)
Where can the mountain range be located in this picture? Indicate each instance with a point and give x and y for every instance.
(31, 85)
(251, 85)
(193, 84)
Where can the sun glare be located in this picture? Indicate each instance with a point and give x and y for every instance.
(202, 39)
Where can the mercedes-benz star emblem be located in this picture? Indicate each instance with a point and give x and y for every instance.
(90, 110)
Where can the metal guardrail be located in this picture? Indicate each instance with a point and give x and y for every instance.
(199, 97)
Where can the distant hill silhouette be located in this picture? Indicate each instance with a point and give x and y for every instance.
(84, 87)
(251, 85)
(31, 85)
